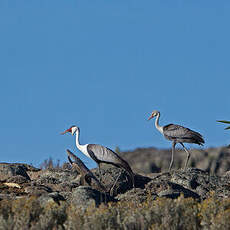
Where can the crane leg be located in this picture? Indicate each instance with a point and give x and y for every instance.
(112, 188)
(172, 157)
(100, 179)
(99, 169)
(133, 181)
(188, 156)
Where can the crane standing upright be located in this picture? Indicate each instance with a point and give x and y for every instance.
(100, 154)
(177, 134)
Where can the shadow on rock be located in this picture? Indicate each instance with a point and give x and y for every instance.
(193, 182)
(118, 180)
(85, 196)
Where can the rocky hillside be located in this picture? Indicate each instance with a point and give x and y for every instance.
(150, 160)
(73, 197)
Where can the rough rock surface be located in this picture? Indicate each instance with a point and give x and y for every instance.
(7, 171)
(85, 196)
(152, 160)
(193, 183)
(21, 180)
(198, 198)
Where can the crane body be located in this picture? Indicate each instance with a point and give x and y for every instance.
(101, 154)
(177, 134)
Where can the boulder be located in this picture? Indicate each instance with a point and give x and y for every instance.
(153, 160)
(193, 182)
(85, 196)
(9, 170)
(50, 197)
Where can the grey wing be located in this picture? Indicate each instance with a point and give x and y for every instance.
(182, 134)
(81, 165)
(102, 153)
(106, 155)
(176, 131)
(77, 161)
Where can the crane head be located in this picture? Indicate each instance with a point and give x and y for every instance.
(71, 130)
(153, 114)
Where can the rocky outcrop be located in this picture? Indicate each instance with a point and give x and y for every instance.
(63, 198)
(21, 180)
(58, 184)
(151, 160)
(7, 171)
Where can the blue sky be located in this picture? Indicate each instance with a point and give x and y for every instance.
(104, 66)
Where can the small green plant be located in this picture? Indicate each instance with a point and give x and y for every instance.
(117, 150)
(225, 122)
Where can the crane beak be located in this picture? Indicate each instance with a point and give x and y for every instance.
(67, 130)
(150, 117)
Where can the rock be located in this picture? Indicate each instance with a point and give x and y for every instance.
(9, 170)
(56, 176)
(36, 189)
(222, 161)
(135, 195)
(66, 195)
(123, 184)
(194, 183)
(26, 167)
(86, 176)
(58, 179)
(85, 196)
(29, 197)
(176, 190)
(170, 193)
(11, 189)
(165, 188)
(110, 174)
(64, 184)
(18, 179)
(141, 181)
(227, 174)
(50, 197)
(7, 196)
(151, 160)
(13, 185)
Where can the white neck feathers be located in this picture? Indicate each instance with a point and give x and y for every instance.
(82, 148)
(77, 139)
(160, 128)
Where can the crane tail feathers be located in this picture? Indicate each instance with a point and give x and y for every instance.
(198, 138)
(126, 166)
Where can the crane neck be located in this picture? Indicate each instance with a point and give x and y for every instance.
(160, 128)
(82, 148)
(77, 140)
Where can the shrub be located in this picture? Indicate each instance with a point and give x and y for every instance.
(162, 213)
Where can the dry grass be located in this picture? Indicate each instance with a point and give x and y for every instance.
(162, 213)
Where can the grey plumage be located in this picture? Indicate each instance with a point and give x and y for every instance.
(102, 154)
(177, 134)
(86, 174)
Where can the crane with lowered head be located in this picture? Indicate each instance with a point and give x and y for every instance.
(101, 154)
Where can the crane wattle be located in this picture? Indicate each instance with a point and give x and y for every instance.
(67, 130)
